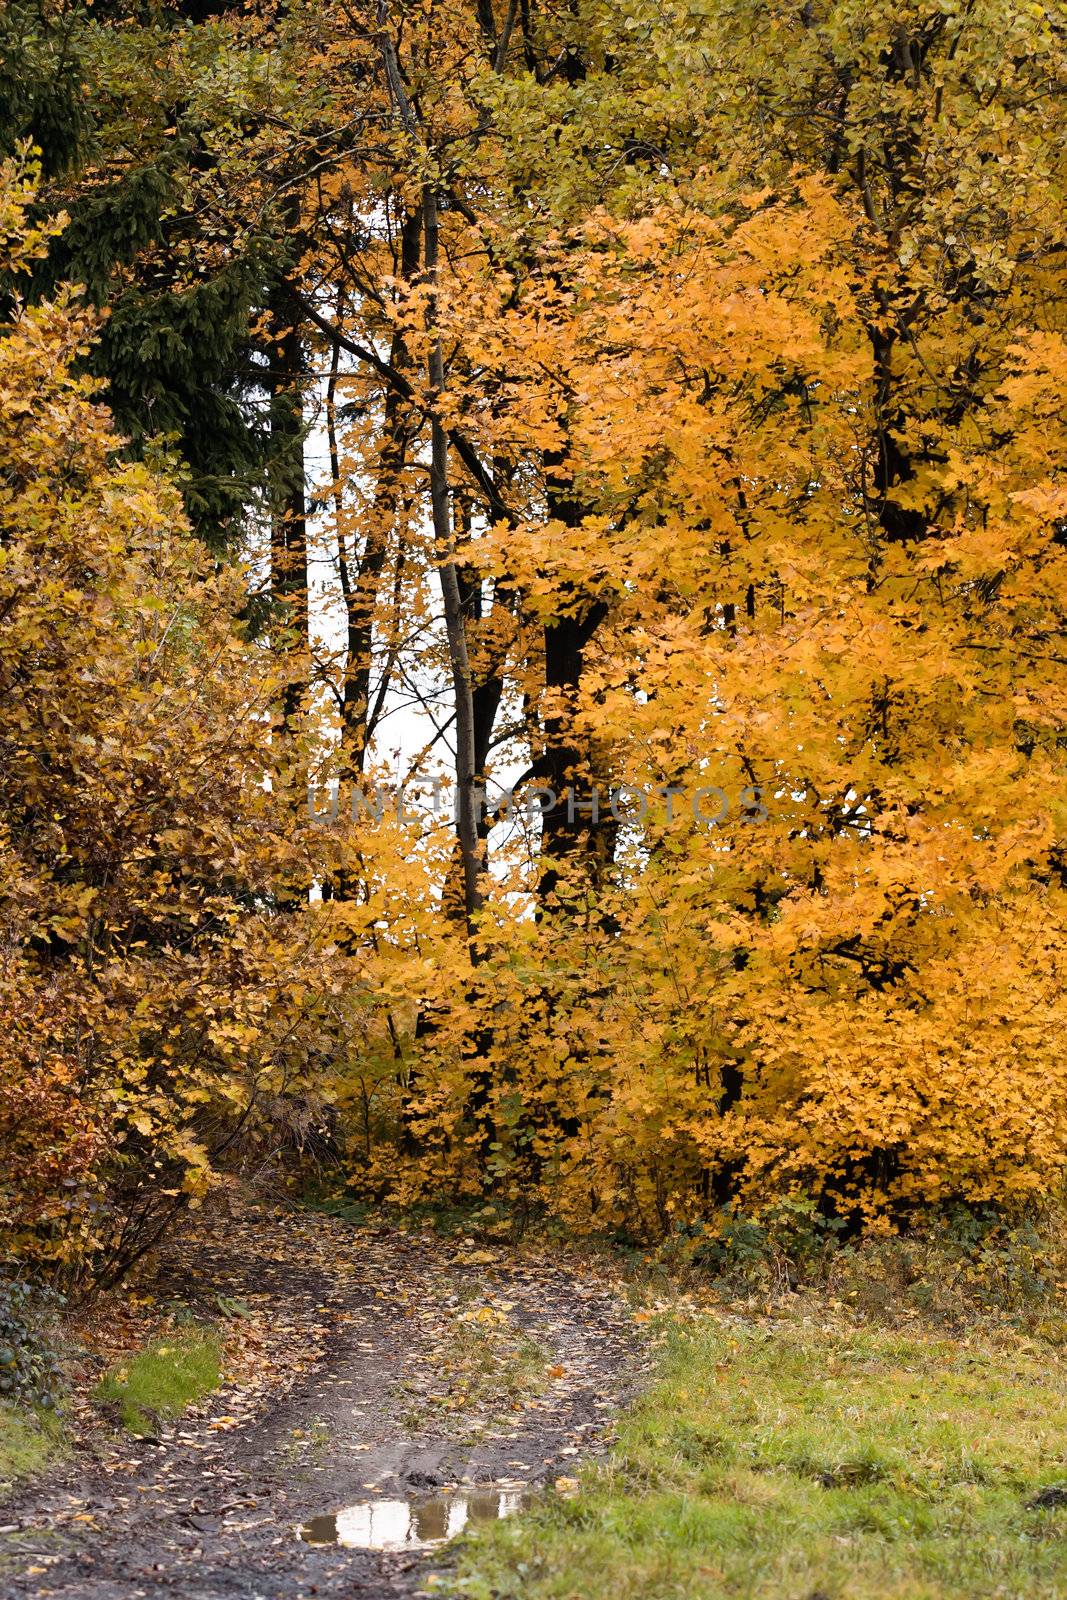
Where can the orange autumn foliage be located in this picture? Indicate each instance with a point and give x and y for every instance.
(694, 381)
(857, 994)
(157, 990)
(809, 408)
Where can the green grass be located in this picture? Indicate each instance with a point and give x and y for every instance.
(169, 1374)
(808, 1460)
(28, 1441)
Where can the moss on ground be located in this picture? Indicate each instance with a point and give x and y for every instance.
(158, 1383)
(28, 1442)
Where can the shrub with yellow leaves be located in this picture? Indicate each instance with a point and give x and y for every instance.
(158, 984)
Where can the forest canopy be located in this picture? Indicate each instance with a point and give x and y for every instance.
(532, 599)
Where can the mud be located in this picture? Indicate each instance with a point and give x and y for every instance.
(205, 1514)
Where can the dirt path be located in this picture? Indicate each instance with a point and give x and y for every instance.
(416, 1367)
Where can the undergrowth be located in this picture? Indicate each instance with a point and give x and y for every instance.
(963, 1267)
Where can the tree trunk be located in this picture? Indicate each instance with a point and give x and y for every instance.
(470, 844)
(288, 508)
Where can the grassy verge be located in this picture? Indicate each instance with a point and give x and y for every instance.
(160, 1381)
(809, 1460)
(28, 1442)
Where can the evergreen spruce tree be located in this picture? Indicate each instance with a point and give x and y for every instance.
(177, 350)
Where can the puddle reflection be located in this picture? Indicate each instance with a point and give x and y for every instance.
(410, 1524)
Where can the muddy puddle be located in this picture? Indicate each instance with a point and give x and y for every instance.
(410, 1524)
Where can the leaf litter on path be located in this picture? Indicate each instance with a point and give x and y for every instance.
(364, 1365)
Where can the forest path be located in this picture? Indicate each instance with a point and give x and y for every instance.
(404, 1368)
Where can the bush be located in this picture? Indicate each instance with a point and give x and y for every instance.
(161, 982)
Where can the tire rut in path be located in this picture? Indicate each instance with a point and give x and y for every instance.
(207, 1514)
